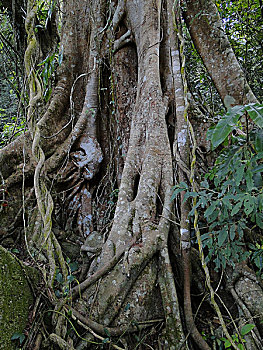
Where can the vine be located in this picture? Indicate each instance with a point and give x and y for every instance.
(43, 196)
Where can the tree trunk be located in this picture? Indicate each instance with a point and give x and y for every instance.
(106, 152)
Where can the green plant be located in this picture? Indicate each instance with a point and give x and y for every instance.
(63, 286)
(47, 69)
(230, 196)
(11, 129)
(247, 328)
(20, 337)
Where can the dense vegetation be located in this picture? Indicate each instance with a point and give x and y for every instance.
(217, 180)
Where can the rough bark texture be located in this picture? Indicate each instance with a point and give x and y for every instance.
(115, 138)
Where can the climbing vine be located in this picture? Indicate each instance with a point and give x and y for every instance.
(43, 196)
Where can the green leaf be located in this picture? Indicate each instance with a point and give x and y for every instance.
(249, 180)
(246, 329)
(239, 174)
(59, 277)
(257, 138)
(259, 220)
(20, 336)
(127, 307)
(226, 124)
(232, 232)
(223, 234)
(188, 195)
(260, 201)
(255, 111)
(69, 313)
(16, 336)
(214, 216)
(182, 186)
(70, 278)
(107, 332)
(257, 179)
(227, 344)
(249, 203)
(176, 192)
(73, 266)
(236, 208)
(209, 211)
(257, 169)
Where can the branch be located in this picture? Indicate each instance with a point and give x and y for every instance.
(126, 38)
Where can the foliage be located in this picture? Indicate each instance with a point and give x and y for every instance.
(230, 120)
(230, 195)
(243, 24)
(44, 12)
(11, 122)
(18, 336)
(47, 69)
(63, 287)
(200, 83)
(247, 328)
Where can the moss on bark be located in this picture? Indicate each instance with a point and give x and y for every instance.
(15, 297)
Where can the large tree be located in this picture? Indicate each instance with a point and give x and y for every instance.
(92, 178)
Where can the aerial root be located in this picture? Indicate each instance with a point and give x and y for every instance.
(60, 342)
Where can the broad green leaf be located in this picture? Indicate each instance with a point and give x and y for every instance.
(223, 234)
(20, 336)
(16, 336)
(206, 236)
(73, 266)
(232, 232)
(260, 201)
(176, 192)
(189, 194)
(209, 211)
(236, 208)
(214, 216)
(227, 123)
(239, 174)
(257, 136)
(182, 186)
(70, 278)
(227, 344)
(255, 111)
(257, 169)
(246, 329)
(59, 277)
(249, 204)
(249, 180)
(257, 179)
(226, 200)
(259, 220)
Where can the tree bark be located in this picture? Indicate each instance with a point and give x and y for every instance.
(115, 136)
